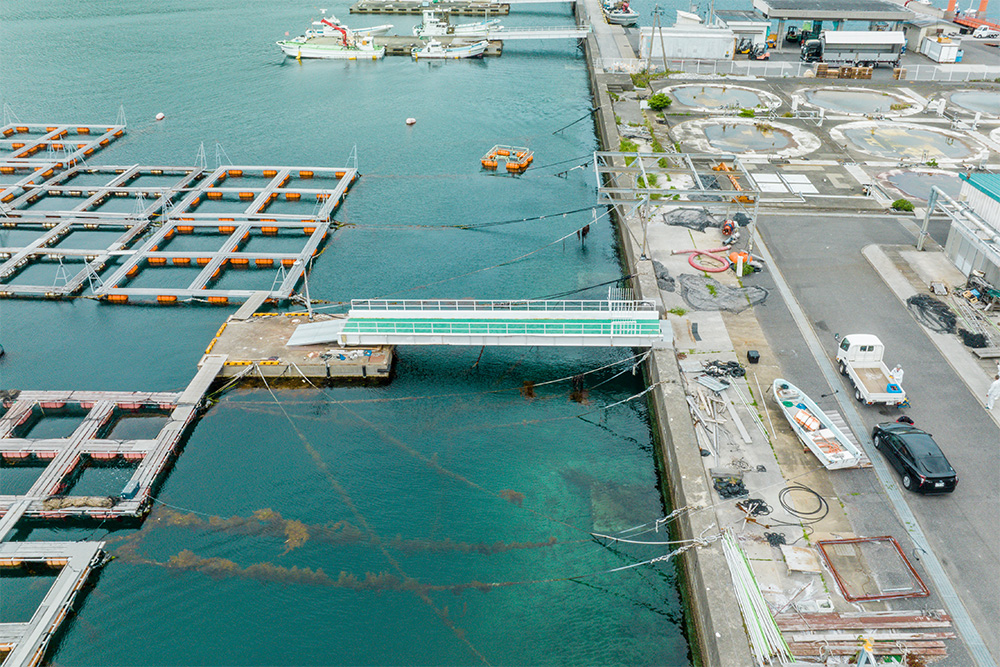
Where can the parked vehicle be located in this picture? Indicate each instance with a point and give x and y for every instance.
(986, 32)
(854, 47)
(793, 35)
(918, 459)
(860, 360)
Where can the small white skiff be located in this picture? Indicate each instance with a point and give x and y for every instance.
(820, 435)
(436, 49)
(620, 14)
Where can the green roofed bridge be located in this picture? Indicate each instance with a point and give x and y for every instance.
(599, 323)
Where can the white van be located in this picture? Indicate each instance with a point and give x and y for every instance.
(986, 32)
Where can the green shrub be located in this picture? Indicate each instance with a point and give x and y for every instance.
(747, 113)
(902, 205)
(659, 101)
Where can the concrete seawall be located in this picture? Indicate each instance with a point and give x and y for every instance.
(715, 627)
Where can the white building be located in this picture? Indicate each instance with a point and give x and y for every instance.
(974, 238)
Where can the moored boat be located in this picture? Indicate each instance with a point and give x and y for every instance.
(620, 13)
(814, 428)
(436, 50)
(335, 41)
(434, 26)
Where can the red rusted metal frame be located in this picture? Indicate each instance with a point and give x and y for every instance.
(922, 593)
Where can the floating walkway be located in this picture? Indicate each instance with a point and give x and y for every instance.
(215, 225)
(469, 322)
(24, 644)
(62, 461)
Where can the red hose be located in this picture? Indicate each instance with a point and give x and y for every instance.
(722, 259)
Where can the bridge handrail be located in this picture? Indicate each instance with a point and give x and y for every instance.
(641, 328)
(605, 305)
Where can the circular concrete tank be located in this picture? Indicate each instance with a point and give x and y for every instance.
(908, 141)
(721, 98)
(986, 102)
(917, 183)
(744, 136)
(852, 101)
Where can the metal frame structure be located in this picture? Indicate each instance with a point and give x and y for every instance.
(240, 211)
(918, 590)
(63, 144)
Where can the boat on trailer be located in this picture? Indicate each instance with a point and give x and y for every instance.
(814, 428)
(436, 50)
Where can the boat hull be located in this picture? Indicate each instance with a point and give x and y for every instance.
(324, 52)
(617, 18)
(814, 428)
(452, 53)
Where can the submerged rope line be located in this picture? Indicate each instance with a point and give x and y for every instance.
(508, 262)
(372, 535)
(641, 357)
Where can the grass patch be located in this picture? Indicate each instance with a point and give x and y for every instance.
(902, 205)
(679, 312)
(747, 113)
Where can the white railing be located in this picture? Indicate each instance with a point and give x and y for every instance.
(706, 67)
(644, 328)
(955, 72)
(388, 305)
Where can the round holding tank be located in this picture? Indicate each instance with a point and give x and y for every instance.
(986, 102)
(720, 98)
(917, 183)
(908, 141)
(853, 101)
(750, 136)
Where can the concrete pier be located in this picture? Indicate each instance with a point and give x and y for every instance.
(464, 7)
(256, 346)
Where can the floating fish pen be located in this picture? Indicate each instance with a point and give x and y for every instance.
(60, 145)
(68, 565)
(462, 7)
(62, 223)
(516, 158)
(87, 434)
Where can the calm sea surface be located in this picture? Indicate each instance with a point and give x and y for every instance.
(443, 519)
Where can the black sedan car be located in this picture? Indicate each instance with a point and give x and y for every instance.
(916, 456)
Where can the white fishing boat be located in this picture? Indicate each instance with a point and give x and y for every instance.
(813, 427)
(434, 26)
(620, 14)
(335, 42)
(436, 50)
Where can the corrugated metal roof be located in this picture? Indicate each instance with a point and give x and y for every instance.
(989, 184)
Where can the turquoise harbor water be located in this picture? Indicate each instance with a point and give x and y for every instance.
(443, 519)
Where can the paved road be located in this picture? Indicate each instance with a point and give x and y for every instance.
(841, 293)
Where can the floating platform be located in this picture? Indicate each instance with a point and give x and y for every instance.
(61, 461)
(399, 45)
(59, 144)
(461, 7)
(73, 220)
(24, 644)
(256, 345)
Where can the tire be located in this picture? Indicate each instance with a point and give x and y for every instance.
(843, 369)
(877, 441)
(907, 481)
(857, 395)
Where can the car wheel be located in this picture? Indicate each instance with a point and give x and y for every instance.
(877, 440)
(907, 482)
(843, 369)
(857, 395)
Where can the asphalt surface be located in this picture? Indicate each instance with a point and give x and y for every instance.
(841, 293)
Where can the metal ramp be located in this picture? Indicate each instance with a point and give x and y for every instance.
(832, 412)
(608, 323)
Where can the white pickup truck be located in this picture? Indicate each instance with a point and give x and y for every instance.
(860, 360)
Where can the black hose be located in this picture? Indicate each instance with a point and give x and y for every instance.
(805, 516)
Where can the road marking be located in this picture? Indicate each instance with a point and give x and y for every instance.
(960, 617)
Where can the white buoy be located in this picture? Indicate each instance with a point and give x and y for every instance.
(160, 116)
(411, 121)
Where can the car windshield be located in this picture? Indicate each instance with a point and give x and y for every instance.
(921, 444)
